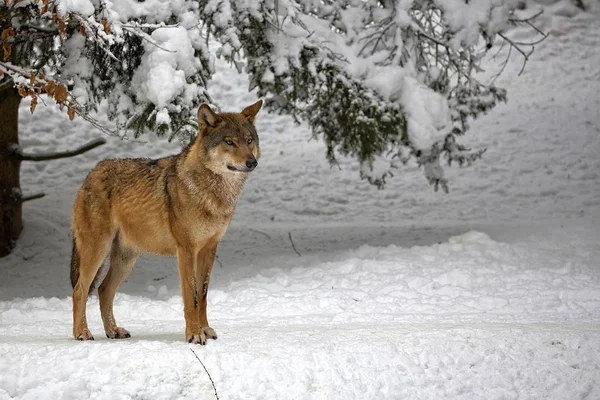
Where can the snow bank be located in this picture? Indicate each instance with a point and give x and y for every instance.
(468, 318)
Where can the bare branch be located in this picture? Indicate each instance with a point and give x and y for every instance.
(538, 30)
(43, 29)
(529, 19)
(503, 64)
(23, 75)
(64, 154)
(138, 31)
(7, 84)
(516, 46)
(32, 197)
(137, 25)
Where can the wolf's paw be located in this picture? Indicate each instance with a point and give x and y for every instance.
(209, 332)
(197, 338)
(117, 333)
(85, 334)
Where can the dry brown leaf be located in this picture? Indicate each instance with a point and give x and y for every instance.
(71, 111)
(49, 88)
(34, 102)
(105, 25)
(44, 9)
(31, 78)
(7, 34)
(6, 48)
(60, 94)
(62, 26)
(22, 91)
(82, 29)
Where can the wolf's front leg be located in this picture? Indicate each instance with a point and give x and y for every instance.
(186, 261)
(206, 259)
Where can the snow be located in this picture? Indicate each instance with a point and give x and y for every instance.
(427, 114)
(166, 64)
(489, 292)
(84, 7)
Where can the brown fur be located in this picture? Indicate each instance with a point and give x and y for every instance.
(174, 206)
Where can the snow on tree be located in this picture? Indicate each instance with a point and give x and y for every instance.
(380, 80)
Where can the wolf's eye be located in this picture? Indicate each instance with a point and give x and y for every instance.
(229, 142)
(250, 140)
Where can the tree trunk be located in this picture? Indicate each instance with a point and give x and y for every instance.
(10, 190)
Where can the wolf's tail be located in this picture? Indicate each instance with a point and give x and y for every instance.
(74, 264)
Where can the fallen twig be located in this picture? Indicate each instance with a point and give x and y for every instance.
(262, 233)
(207, 373)
(292, 242)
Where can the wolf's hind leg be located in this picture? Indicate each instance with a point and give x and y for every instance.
(122, 260)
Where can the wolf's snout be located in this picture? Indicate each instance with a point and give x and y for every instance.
(251, 164)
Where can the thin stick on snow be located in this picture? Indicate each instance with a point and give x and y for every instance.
(207, 373)
(292, 242)
(261, 232)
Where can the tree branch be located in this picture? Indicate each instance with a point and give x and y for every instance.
(516, 46)
(50, 29)
(7, 84)
(32, 197)
(64, 154)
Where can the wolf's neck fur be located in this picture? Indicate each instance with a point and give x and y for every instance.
(212, 190)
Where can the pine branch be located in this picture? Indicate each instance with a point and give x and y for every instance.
(95, 36)
(64, 154)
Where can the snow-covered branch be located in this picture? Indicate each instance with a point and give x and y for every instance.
(376, 80)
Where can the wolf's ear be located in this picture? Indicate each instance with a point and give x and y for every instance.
(251, 111)
(206, 118)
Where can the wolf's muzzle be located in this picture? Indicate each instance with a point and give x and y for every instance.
(251, 164)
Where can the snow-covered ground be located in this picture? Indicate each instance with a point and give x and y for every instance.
(489, 292)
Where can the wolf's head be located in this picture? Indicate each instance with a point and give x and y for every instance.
(229, 140)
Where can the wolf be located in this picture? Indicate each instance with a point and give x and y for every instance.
(179, 205)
